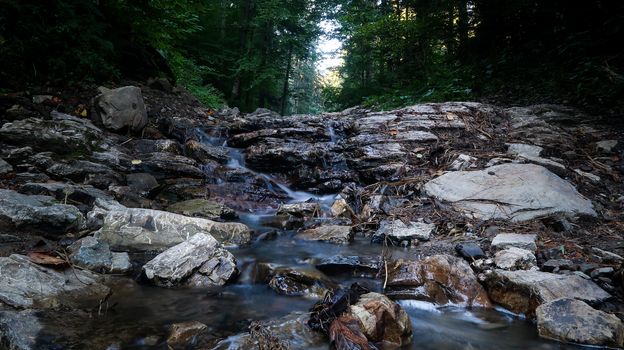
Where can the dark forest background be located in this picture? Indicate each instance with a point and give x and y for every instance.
(262, 53)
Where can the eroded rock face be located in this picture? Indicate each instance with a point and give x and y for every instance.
(200, 261)
(441, 279)
(571, 320)
(155, 230)
(524, 291)
(24, 284)
(203, 208)
(39, 213)
(121, 108)
(336, 234)
(383, 321)
(509, 191)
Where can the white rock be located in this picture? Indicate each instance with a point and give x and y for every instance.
(590, 176)
(462, 162)
(521, 149)
(517, 240)
(606, 145)
(514, 258)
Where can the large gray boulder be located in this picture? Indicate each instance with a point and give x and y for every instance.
(39, 213)
(523, 291)
(95, 255)
(121, 108)
(24, 284)
(509, 191)
(571, 320)
(200, 261)
(155, 230)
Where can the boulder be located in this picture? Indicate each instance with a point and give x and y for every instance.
(155, 230)
(203, 208)
(300, 210)
(120, 263)
(303, 281)
(328, 233)
(204, 153)
(522, 241)
(92, 254)
(396, 232)
(82, 171)
(165, 165)
(24, 284)
(514, 258)
(121, 108)
(441, 279)
(383, 321)
(573, 321)
(38, 213)
(523, 291)
(199, 262)
(509, 191)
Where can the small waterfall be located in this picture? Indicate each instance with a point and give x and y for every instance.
(331, 132)
(237, 161)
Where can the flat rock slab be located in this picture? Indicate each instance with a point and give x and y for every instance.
(24, 284)
(516, 192)
(200, 261)
(517, 240)
(524, 291)
(570, 320)
(336, 234)
(155, 230)
(397, 232)
(38, 212)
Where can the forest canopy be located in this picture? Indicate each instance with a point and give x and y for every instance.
(263, 53)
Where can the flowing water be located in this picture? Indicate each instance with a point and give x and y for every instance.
(142, 313)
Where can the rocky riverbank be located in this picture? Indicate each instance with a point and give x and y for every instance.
(142, 190)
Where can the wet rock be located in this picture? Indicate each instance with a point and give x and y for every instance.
(523, 291)
(303, 281)
(340, 208)
(514, 258)
(141, 182)
(606, 146)
(199, 262)
(462, 162)
(24, 284)
(121, 108)
(19, 329)
(522, 241)
(82, 171)
(155, 230)
(120, 263)
(291, 329)
(5, 167)
(18, 211)
(345, 332)
(383, 321)
(92, 254)
(509, 191)
(182, 335)
(328, 233)
(470, 251)
(203, 208)
(204, 153)
(282, 155)
(396, 232)
(300, 210)
(353, 264)
(521, 149)
(59, 136)
(441, 279)
(573, 321)
(84, 194)
(556, 265)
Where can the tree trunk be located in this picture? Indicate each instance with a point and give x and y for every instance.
(285, 90)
